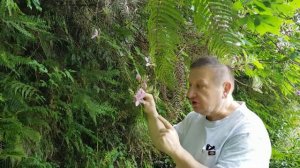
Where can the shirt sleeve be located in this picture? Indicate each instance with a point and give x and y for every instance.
(244, 151)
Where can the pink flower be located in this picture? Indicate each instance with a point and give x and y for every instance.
(144, 85)
(138, 77)
(139, 96)
(298, 92)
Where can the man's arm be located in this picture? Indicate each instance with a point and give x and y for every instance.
(154, 127)
(165, 137)
(171, 145)
(154, 124)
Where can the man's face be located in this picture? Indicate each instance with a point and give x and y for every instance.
(204, 93)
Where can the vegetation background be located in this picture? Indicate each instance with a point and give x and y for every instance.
(68, 74)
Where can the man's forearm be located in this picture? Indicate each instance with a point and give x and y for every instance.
(183, 159)
(154, 126)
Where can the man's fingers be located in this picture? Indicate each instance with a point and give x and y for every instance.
(148, 97)
(163, 130)
(165, 122)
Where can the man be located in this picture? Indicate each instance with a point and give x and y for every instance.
(219, 133)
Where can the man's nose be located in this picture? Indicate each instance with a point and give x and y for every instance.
(190, 94)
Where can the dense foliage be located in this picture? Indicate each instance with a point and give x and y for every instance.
(68, 74)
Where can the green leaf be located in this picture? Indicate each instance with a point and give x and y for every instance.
(257, 64)
(285, 9)
(257, 84)
(36, 4)
(294, 55)
(1, 98)
(237, 6)
(264, 23)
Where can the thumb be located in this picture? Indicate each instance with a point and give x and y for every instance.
(165, 122)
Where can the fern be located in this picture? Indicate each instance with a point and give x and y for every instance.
(35, 3)
(18, 22)
(10, 6)
(25, 25)
(164, 27)
(6, 62)
(26, 91)
(58, 76)
(15, 136)
(215, 20)
(11, 62)
(85, 102)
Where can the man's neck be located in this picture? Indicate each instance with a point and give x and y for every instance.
(225, 110)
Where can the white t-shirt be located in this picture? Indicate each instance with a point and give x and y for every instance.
(238, 141)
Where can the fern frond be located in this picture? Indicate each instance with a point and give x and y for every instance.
(6, 62)
(15, 136)
(10, 6)
(25, 25)
(87, 131)
(28, 92)
(164, 26)
(94, 109)
(25, 90)
(10, 62)
(215, 20)
(35, 3)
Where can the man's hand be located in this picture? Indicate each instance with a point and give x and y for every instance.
(168, 139)
(149, 105)
(165, 137)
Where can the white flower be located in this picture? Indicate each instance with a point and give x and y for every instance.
(95, 34)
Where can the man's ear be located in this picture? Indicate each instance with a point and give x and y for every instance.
(227, 88)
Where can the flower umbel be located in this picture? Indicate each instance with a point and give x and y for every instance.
(139, 96)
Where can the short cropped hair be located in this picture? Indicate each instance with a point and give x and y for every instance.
(212, 61)
(204, 61)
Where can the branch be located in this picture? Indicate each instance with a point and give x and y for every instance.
(242, 83)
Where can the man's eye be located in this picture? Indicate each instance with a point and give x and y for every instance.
(199, 86)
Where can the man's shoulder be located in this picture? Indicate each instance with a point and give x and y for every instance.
(247, 115)
(249, 122)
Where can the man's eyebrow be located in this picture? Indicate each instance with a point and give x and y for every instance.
(199, 81)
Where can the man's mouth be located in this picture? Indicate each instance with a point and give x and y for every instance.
(194, 103)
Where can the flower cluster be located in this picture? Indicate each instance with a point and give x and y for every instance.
(140, 94)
